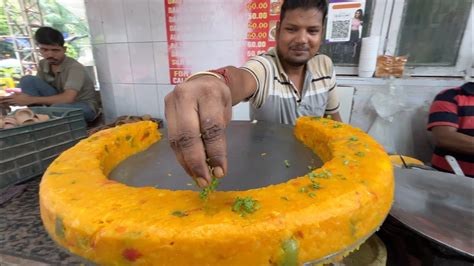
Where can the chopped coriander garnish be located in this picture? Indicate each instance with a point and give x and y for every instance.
(353, 138)
(311, 168)
(311, 195)
(245, 206)
(284, 198)
(315, 118)
(345, 162)
(328, 174)
(179, 213)
(303, 189)
(360, 154)
(287, 163)
(324, 174)
(204, 194)
(337, 126)
(316, 186)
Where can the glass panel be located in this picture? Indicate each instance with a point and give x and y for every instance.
(431, 31)
(347, 53)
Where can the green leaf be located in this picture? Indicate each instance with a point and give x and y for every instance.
(303, 189)
(360, 154)
(323, 174)
(245, 206)
(311, 195)
(204, 194)
(287, 163)
(284, 198)
(353, 138)
(316, 186)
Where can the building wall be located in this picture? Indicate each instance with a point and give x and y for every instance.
(130, 50)
(407, 133)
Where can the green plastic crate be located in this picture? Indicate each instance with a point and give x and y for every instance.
(26, 151)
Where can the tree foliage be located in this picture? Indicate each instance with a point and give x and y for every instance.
(54, 15)
(6, 48)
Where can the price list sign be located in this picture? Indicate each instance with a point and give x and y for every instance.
(263, 15)
(178, 69)
(262, 27)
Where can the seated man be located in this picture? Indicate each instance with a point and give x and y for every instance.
(451, 121)
(60, 81)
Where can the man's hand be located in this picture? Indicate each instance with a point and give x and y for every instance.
(197, 112)
(17, 98)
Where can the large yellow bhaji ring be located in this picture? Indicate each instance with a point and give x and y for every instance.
(114, 224)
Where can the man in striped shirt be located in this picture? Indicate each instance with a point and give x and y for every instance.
(451, 121)
(288, 81)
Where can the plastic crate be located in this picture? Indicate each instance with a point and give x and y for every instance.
(26, 151)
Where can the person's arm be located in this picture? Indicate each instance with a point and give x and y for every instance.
(443, 122)
(197, 112)
(241, 84)
(448, 138)
(23, 99)
(74, 82)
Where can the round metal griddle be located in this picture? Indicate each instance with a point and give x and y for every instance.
(438, 205)
(259, 154)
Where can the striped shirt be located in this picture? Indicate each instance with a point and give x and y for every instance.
(454, 108)
(276, 98)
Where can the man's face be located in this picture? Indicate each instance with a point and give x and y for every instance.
(299, 35)
(54, 54)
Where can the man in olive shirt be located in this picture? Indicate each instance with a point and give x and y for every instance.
(60, 81)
